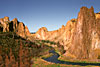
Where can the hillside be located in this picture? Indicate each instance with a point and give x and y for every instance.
(16, 51)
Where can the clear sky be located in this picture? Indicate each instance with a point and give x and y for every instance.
(44, 13)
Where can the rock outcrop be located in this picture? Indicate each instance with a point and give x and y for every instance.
(6, 19)
(83, 34)
(27, 31)
(21, 29)
(80, 37)
(14, 26)
(97, 15)
(63, 35)
(41, 33)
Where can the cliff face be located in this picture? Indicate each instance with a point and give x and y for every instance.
(80, 37)
(85, 30)
(14, 26)
(63, 35)
(85, 41)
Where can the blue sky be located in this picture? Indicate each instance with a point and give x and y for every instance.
(44, 13)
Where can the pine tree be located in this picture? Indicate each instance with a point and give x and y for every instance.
(12, 59)
(7, 61)
(21, 55)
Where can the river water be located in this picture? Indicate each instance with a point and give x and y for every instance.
(54, 59)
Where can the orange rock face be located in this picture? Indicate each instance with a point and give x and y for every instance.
(62, 35)
(6, 18)
(27, 33)
(21, 30)
(41, 33)
(4, 24)
(14, 26)
(80, 37)
(97, 15)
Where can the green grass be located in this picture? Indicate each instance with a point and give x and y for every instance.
(47, 41)
(59, 49)
(63, 58)
(38, 62)
(59, 65)
(47, 55)
(49, 65)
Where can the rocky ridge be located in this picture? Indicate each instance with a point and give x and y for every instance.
(14, 26)
(80, 37)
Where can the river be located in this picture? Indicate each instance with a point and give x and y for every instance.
(54, 59)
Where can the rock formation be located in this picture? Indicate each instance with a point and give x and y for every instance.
(14, 26)
(80, 37)
(97, 15)
(62, 35)
(27, 31)
(84, 32)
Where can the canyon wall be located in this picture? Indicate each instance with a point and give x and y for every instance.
(80, 37)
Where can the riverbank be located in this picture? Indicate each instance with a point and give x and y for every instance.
(52, 61)
(39, 62)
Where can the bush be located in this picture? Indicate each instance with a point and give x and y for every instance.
(98, 57)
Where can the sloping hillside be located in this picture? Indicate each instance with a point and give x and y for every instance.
(16, 51)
